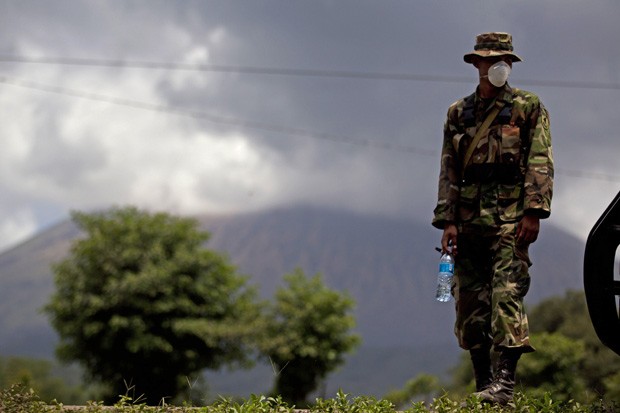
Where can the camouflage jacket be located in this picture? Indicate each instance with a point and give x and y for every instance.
(511, 170)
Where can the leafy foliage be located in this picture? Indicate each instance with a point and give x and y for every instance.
(19, 399)
(256, 404)
(425, 385)
(568, 316)
(570, 362)
(554, 368)
(140, 302)
(38, 374)
(360, 404)
(307, 335)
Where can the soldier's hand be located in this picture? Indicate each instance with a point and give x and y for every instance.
(527, 229)
(449, 238)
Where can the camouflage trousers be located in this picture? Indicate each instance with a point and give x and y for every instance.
(491, 279)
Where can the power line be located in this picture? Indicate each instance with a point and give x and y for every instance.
(257, 70)
(589, 175)
(250, 124)
(217, 119)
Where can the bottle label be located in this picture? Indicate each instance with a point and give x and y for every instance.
(446, 267)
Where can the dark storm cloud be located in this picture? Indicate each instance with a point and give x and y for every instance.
(560, 41)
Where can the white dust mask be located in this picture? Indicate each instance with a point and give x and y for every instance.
(498, 73)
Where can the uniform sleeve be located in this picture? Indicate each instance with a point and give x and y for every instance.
(449, 177)
(538, 183)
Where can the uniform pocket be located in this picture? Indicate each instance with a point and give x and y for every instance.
(509, 191)
(522, 253)
(510, 152)
(520, 272)
(509, 202)
(469, 203)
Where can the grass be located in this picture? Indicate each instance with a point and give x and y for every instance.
(19, 399)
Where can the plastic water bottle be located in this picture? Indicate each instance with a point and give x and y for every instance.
(444, 278)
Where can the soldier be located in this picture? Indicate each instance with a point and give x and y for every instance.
(495, 185)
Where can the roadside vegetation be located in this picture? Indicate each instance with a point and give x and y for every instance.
(141, 303)
(19, 399)
(144, 309)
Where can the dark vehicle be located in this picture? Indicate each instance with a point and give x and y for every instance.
(601, 287)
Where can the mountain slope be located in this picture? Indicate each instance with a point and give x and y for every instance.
(388, 265)
(27, 282)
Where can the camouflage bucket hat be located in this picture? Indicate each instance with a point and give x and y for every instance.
(492, 44)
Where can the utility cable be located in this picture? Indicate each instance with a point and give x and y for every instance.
(250, 124)
(589, 175)
(257, 70)
(217, 119)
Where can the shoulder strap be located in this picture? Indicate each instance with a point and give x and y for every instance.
(483, 128)
(468, 119)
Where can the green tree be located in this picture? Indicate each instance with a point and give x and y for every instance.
(425, 385)
(612, 386)
(38, 374)
(142, 305)
(570, 361)
(568, 315)
(307, 334)
(554, 368)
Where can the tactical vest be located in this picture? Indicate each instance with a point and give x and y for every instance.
(508, 164)
(498, 162)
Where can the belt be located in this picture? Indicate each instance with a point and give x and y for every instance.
(492, 172)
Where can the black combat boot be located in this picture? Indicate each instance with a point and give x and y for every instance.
(483, 374)
(501, 390)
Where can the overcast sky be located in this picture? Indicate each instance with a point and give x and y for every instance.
(308, 127)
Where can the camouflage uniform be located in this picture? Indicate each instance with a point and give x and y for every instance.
(510, 174)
